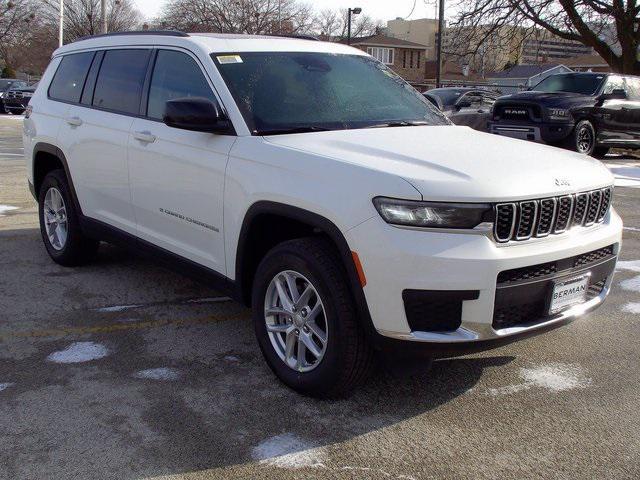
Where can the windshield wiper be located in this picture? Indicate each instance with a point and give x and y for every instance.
(400, 123)
(284, 131)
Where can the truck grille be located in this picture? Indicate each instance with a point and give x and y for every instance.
(539, 218)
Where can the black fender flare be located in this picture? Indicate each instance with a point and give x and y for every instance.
(43, 147)
(316, 221)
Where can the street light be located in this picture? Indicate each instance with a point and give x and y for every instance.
(354, 11)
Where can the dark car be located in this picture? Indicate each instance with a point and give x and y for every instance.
(16, 99)
(464, 106)
(7, 84)
(586, 112)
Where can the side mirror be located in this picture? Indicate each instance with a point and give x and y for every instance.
(616, 94)
(196, 114)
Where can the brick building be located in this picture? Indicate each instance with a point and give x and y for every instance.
(405, 58)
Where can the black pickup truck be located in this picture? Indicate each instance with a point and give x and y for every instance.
(586, 112)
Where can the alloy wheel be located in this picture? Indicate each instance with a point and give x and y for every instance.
(585, 140)
(55, 219)
(296, 321)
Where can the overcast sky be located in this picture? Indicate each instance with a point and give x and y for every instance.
(378, 9)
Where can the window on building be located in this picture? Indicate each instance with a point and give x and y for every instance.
(404, 59)
(411, 60)
(385, 55)
(418, 61)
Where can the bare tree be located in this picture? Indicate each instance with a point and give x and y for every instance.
(610, 27)
(237, 16)
(17, 18)
(83, 17)
(332, 24)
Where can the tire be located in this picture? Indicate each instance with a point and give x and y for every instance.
(74, 248)
(600, 152)
(583, 139)
(347, 357)
(16, 111)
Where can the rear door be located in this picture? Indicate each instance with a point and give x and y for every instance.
(96, 133)
(177, 176)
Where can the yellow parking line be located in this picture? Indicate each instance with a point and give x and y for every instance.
(119, 327)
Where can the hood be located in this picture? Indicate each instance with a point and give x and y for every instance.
(450, 163)
(546, 99)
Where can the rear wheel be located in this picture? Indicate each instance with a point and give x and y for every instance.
(305, 320)
(59, 224)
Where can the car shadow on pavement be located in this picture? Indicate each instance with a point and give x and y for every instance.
(182, 387)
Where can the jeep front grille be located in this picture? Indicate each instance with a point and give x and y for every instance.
(550, 216)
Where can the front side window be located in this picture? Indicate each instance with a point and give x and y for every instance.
(285, 90)
(175, 75)
(120, 80)
(614, 82)
(68, 82)
(384, 55)
(633, 88)
(571, 83)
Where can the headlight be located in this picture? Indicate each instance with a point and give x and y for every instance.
(559, 114)
(432, 214)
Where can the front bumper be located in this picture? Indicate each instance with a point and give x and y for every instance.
(398, 259)
(536, 132)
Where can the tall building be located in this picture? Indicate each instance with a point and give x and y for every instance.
(544, 47)
(423, 31)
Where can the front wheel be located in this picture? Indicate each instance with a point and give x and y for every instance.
(583, 139)
(305, 320)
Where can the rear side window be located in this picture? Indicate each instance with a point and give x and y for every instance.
(69, 79)
(121, 80)
(175, 75)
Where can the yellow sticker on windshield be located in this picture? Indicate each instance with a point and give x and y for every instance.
(224, 59)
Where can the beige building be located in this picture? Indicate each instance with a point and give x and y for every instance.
(541, 46)
(423, 31)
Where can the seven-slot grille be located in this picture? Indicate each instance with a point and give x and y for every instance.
(539, 218)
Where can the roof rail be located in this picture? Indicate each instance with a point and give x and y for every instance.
(293, 35)
(166, 33)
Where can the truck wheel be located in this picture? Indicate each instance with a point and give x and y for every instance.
(305, 320)
(59, 223)
(583, 139)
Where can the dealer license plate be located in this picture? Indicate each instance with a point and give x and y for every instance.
(567, 293)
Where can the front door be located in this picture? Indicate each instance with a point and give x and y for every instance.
(177, 176)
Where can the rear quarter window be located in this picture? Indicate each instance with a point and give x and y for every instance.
(69, 79)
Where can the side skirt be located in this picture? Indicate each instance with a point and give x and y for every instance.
(101, 231)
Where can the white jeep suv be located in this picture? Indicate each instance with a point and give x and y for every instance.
(312, 183)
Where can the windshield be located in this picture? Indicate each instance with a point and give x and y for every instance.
(571, 83)
(279, 92)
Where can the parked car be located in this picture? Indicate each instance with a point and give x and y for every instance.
(586, 112)
(307, 180)
(17, 98)
(7, 84)
(464, 105)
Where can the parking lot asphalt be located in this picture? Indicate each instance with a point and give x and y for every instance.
(124, 370)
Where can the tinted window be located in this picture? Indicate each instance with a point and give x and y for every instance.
(571, 83)
(121, 79)
(278, 91)
(68, 81)
(176, 75)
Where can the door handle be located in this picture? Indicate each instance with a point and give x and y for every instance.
(144, 137)
(74, 121)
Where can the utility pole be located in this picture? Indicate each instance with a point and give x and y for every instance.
(354, 11)
(61, 27)
(103, 12)
(439, 45)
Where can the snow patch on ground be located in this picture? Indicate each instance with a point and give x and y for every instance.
(158, 374)
(632, 307)
(117, 308)
(6, 208)
(210, 300)
(626, 174)
(629, 265)
(289, 451)
(79, 352)
(231, 358)
(4, 386)
(632, 284)
(631, 229)
(555, 377)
